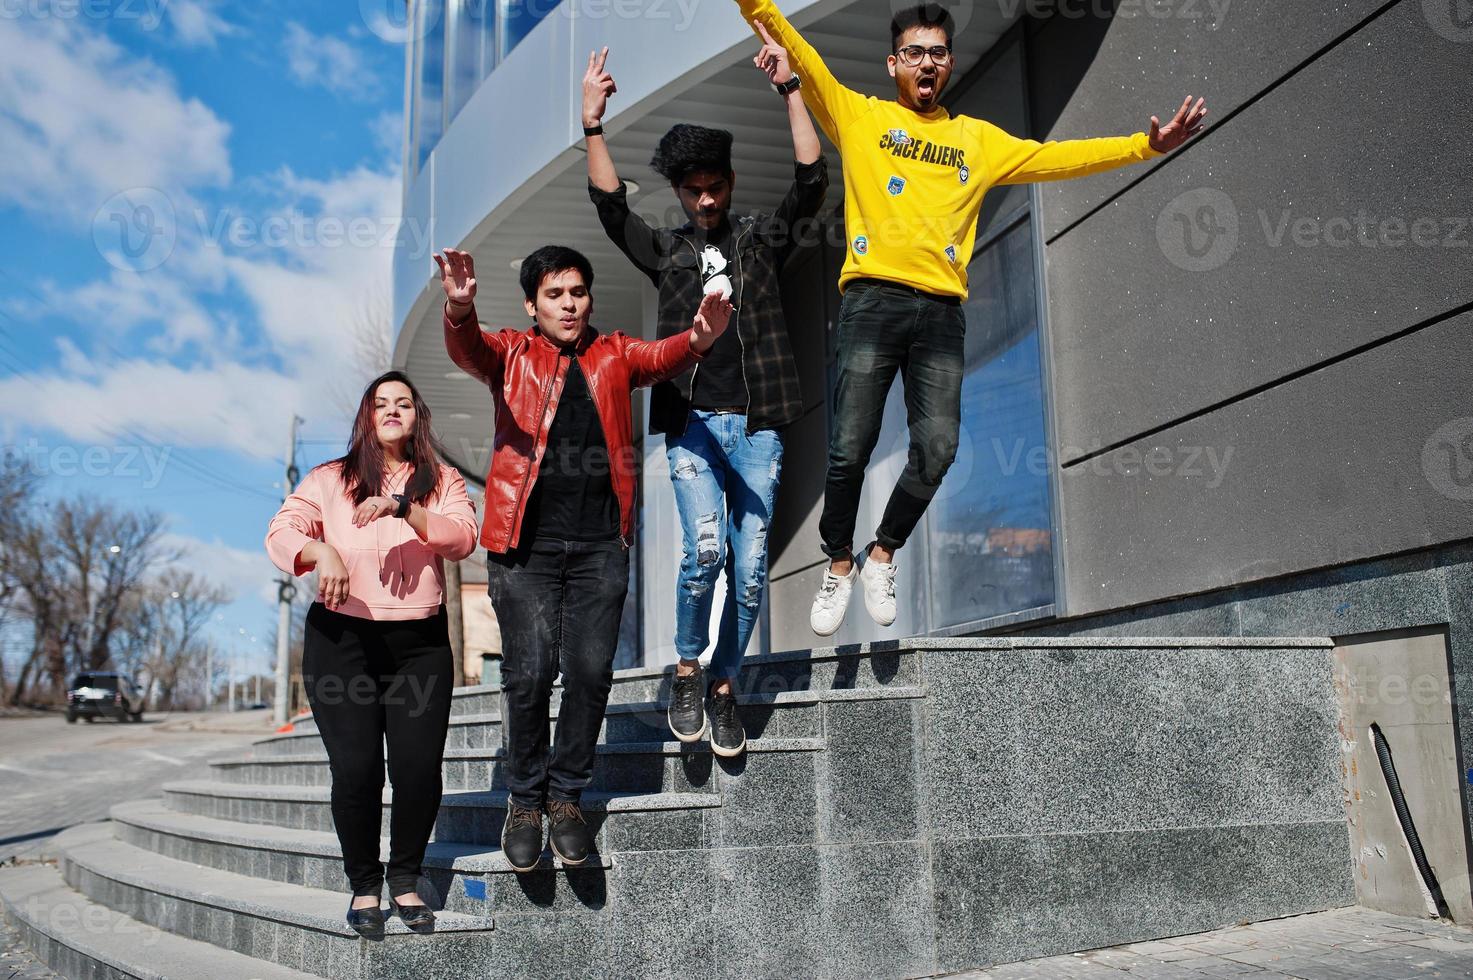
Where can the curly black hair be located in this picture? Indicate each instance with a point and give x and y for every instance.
(686, 149)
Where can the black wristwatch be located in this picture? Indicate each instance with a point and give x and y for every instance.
(783, 88)
(404, 502)
(594, 130)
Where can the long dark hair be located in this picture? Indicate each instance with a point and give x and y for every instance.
(363, 463)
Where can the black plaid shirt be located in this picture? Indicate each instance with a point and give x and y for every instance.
(670, 257)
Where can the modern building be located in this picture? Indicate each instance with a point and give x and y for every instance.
(1210, 393)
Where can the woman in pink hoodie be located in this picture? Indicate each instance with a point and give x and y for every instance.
(377, 525)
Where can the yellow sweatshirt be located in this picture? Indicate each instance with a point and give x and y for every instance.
(913, 182)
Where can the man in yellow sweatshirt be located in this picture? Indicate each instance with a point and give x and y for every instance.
(914, 176)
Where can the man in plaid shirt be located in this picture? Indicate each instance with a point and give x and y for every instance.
(723, 419)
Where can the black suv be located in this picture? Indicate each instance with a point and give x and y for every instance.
(104, 694)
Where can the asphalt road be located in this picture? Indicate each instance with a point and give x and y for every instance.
(54, 775)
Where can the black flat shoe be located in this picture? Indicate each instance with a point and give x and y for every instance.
(417, 917)
(368, 922)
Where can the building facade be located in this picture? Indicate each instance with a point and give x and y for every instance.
(1220, 393)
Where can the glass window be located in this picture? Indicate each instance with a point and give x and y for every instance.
(467, 24)
(429, 78)
(990, 537)
(517, 18)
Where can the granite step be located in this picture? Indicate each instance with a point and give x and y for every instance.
(854, 666)
(286, 924)
(458, 877)
(77, 937)
(622, 821)
(648, 767)
(781, 714)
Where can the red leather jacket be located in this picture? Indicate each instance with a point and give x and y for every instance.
(525, 372)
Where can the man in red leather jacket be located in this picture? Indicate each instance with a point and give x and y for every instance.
(559, 519)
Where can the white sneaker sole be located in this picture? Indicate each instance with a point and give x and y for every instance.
(729, 753)
(705, 727)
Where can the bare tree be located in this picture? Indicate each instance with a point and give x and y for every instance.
(108, 554)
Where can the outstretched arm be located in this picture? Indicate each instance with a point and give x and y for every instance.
(598, 85)
(467, 346)
(1017, 161)
(627, 230)
(832, 104)
(653, 361)
(772, 59)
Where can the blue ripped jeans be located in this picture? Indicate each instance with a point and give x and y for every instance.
(725, 482)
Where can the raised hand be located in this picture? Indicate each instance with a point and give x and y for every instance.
(710, 321)
(458, 277)
(772, 58)
(1183, 126)
(598, 85)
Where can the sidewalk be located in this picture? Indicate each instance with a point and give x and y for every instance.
(1342, 944)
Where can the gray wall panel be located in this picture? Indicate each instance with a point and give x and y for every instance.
(1144, 331)
(1349, 462)
(1092, 76)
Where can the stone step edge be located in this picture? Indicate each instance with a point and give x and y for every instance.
(478, 859)
(494, 799)
(804, 697)
(309, 909)
(110, 939)
(920, 644)
(756, 745)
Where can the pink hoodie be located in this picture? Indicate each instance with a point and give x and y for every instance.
(392, 572)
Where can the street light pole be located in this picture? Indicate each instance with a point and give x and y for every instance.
(286, 591)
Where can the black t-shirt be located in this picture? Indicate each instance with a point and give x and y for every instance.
(719, 382)
(573, 499)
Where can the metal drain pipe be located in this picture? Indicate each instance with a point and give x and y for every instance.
(1404, 817)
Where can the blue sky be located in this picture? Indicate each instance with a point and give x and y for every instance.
(198, 201)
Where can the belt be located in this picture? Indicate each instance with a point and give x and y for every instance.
(903, 288)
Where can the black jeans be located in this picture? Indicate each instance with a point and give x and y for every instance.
(882, 330)
(559, 604)
(372, 682)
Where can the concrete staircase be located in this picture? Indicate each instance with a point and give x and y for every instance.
(902, 810)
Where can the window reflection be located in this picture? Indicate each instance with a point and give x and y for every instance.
(990, 532)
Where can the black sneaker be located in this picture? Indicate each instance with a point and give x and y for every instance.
(728, 737)
(569, 835)
(687, 714)
(521, 837)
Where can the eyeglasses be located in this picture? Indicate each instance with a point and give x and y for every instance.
(912, 54)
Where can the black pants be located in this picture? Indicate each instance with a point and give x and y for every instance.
(559, 604)
(372, 682)
(882, 330)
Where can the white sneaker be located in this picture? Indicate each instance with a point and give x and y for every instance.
(878, 579)
(832, 601)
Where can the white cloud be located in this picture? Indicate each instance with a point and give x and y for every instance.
(244, 573)
(328, 62)
(224, 405)
(196, 22)
(80, 122)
